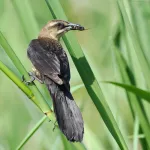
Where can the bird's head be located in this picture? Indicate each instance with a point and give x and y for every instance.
(56, 28)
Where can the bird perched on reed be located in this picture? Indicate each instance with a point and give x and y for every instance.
(51, 67)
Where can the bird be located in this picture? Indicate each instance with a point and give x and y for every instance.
(51, 67)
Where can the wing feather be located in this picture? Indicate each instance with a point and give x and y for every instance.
(50, 61)
(43, 60)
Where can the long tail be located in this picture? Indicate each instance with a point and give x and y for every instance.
(67, 113)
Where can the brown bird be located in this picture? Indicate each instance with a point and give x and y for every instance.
(51, 67)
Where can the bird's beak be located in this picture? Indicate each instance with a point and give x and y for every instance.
(68, 27)
(73, 26)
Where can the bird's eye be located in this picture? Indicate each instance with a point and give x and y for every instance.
(60, 25)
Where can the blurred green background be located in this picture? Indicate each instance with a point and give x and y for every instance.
(20, 22)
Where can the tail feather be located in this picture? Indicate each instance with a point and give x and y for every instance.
(67, 113)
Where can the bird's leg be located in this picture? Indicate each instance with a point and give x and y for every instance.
(23, 78)
(36, 74)
(32, 78)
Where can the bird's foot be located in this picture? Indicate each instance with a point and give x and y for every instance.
(28, 82)
(32, 78)
(32, 74)
(22, 78)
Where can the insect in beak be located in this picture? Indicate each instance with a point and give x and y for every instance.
(76, 27)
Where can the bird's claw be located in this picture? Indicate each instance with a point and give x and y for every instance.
(31, 79)
(22, 78)
(29, 82)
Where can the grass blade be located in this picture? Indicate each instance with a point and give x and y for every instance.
(141, 25)
(18, 82)
(134, 102)
(130, 88)
(144, 64)
(34, 129)
(136, 131)
(12, 55)
(87, 76)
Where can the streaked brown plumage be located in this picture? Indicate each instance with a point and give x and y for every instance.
(52, 68)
